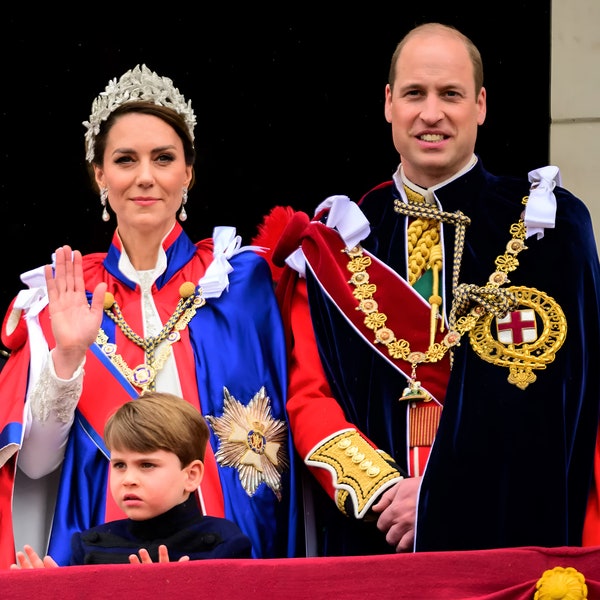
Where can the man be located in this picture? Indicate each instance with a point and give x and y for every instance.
(443, 335)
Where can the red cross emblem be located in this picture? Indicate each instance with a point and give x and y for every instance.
(517, 327)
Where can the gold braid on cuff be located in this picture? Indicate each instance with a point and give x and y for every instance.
(360, 472)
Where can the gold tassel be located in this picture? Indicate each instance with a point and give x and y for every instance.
(435, 263)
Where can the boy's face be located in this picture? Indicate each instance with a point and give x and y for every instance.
(148, 484)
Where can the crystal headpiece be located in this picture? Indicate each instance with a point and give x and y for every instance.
(139, 83)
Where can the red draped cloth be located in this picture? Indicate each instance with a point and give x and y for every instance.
(506, 574)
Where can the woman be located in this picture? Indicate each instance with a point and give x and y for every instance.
(155, 312)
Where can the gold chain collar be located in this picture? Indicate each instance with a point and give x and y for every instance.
(144, 375)
(490, 298)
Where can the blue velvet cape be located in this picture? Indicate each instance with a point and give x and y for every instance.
(509, 467)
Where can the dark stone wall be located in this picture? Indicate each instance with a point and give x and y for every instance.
(289, 105)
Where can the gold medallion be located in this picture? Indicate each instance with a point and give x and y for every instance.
(521, 350)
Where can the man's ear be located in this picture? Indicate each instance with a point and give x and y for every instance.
(482, 105)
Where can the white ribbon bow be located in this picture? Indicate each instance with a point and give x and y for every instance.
(35, 298)
(346, 217)
(540, 212)
(226, 244)
(31, 301)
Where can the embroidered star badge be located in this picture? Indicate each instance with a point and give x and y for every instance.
(251, 441)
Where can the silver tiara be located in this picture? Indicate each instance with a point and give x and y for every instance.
(139, 83)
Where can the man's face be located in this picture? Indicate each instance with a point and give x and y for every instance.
(433, 108)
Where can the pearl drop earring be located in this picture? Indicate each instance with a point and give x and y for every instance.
(184, 198)
(103, 199)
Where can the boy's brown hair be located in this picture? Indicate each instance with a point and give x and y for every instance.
(158, 421)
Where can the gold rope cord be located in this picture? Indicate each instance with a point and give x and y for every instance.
(144, 375)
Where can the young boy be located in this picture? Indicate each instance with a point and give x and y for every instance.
(157, 444)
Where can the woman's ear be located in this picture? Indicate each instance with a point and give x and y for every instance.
(99, 176)
(189, 176)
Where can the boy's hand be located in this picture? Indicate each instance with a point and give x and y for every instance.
(144, 557)
(30, 559)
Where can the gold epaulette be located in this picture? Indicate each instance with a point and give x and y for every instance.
(360, 472)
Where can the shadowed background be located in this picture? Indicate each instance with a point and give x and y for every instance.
(289, 107)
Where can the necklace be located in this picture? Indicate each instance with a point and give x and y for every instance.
(490, 298)
(144, 375)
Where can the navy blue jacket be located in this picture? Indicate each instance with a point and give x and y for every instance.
(183, 529)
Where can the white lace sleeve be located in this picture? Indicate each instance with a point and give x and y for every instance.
(51, 413)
